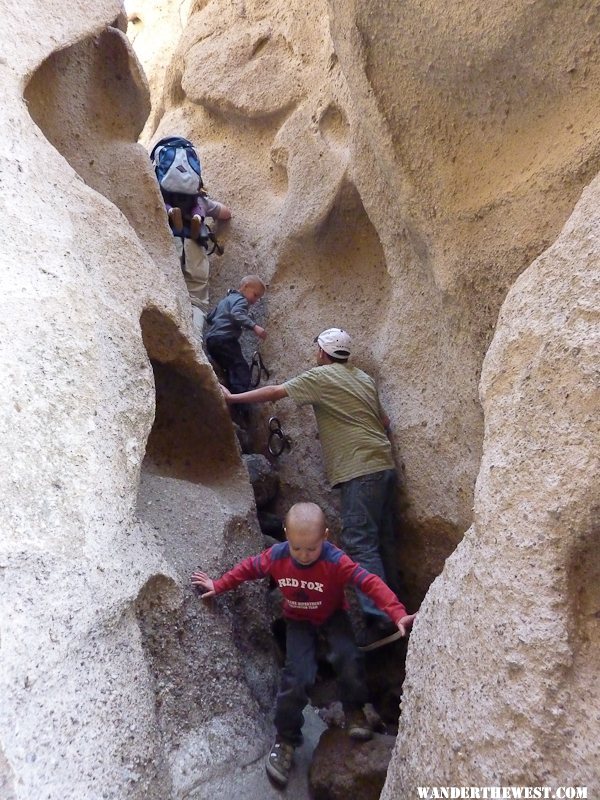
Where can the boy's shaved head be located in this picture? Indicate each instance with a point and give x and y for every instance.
(306, 531)
(254, 281)
(305, 518)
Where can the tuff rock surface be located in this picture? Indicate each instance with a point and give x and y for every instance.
(396, 174)
(502, 683)
(392, 169)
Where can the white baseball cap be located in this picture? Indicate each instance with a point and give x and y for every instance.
(335, 342)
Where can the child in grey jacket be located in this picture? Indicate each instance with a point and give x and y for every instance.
(224, 328)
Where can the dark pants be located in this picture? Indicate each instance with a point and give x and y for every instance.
(368, 534)
(227, 353)
(300, 671)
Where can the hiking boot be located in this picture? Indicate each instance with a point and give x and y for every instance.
(196, 226)
(279, 761)
(175, 219)
(358, 726)
(378, 635)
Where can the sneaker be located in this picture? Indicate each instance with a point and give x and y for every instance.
(279, 762)
(378, 636)
(358, 726)
(175, 219)
(196, 226)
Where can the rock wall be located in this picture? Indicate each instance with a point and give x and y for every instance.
(391, 170)
(119, 469)
(502, 681)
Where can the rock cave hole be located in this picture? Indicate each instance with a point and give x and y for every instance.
(191, 462)
(339, 272)
(584, 595)
(279, 170)
(260, 45)
(192, 437)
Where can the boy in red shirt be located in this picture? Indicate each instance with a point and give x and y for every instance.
(311, 574)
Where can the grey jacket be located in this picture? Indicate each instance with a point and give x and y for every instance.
(229, 317)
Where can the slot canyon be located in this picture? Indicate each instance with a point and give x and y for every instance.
(422, 176)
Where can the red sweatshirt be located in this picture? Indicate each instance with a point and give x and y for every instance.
(313, 593)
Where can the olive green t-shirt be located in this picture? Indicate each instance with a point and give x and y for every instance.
(348, 415)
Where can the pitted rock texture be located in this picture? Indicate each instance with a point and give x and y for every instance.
(112, 673)
(502, 683)
(394, 172)
(391, 169)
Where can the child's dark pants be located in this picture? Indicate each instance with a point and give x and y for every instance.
(228, 355)
(300, 671)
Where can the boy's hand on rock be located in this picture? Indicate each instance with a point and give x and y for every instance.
(204, 583)
(260, 332)
(405, 623)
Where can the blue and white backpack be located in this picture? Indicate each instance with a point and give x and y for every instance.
(177, 165)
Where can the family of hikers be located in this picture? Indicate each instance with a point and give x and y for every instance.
(309, 570)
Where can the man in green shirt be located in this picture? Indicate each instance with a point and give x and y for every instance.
(358, 460)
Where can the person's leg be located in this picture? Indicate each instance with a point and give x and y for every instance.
(238, 379)
(363, 504)
(198, 318)
(238, 370)
(349, 667)
(196, 217)
(388, 541)
(217, 348)
(227, 353)
(196, 268)
(297, 677)
(175, 218)
(346, 660)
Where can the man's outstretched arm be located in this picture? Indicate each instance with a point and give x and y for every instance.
(264, 394)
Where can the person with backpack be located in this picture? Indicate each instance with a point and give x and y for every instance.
(179, 174)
